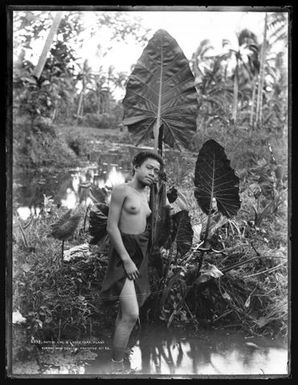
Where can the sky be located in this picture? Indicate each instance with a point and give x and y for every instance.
(188, 28)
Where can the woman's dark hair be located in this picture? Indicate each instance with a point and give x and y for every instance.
(140, 158)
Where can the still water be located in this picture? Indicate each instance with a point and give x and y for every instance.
(154, 352)
(66, 187)
(173, 352)
(105, 168)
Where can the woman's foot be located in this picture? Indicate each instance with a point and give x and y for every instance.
(119, 367)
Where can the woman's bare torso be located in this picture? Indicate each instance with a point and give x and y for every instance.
(135, 211)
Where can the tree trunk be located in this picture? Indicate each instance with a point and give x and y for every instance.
(261, 76)
(196, 65)
(81, 100)
(43, 57)
(235, 94)
(98, 97)
(54, 114)
(251, 120)
(80, 103)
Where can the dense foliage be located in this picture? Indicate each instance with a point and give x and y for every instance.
(243, 278)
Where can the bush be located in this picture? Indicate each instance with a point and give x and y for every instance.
(38, 145)
(243, 146)
(253, 292)
(100, 121)
(80, 145)
(58, 299)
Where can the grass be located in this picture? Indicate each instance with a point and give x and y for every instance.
(254, 295)
(88, 132)
(59, 300)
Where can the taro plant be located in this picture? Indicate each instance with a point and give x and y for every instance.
(161, 102)
(215, 181)
(217, 192)
(160, 98)
(65, 227)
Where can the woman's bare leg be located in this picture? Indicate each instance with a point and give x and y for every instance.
(126, 319)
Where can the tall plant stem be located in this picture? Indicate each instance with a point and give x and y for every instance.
(43, 57)
(62, 251)
(23, 233)
(251, 120)
(157, 124)
(235, 93)
(59, 330)
(85, 218)
(210, 205)
(261, 76)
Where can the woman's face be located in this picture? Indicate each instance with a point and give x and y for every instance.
(147, 172)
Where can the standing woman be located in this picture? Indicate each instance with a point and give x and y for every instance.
(126, 277)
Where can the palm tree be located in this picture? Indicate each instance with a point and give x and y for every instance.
(261, 75)
(275, 31)
(278, 28)
(255, 69)
(241, 56)
(213, 94)
(43, 57)
(86, 77)
(276, 85)
(200, 61)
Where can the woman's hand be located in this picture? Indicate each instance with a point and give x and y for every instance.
(131, 269)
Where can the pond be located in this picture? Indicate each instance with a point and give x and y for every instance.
(154, 351)
(158, 352)
(105, 168)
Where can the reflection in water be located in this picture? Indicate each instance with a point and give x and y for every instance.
(114, 178)
(162, 353)
(26, 212)
(171, 352)
(71, 199)
(212, 353)
(67, 190)
(76, 182)
(108, 168)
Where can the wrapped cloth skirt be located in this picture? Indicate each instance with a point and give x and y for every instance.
(137, 248)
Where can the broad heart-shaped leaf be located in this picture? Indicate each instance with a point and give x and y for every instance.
(184, 233)
(172, 194)
(214, 178)
(98, 218)
(97, 194)
(161, 89)
(65, 227)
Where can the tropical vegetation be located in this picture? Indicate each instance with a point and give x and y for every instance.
(218, 261)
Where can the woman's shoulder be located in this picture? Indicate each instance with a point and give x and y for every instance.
(120, 189)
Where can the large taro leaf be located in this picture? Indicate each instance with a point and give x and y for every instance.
(214, 178)
(65, 227)
(172, 194)
(160, 93)
(98, 218)
(97, 194)
(184, 232)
